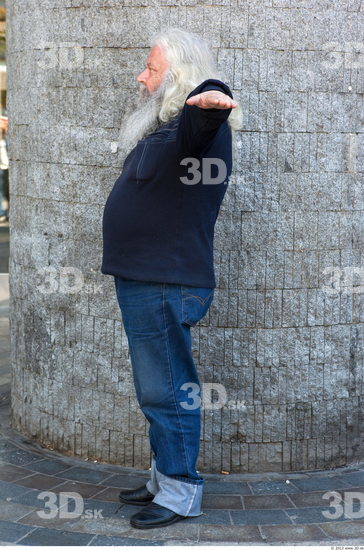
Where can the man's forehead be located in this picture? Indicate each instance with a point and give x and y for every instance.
(156, 56)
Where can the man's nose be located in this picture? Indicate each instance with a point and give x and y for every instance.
(142, 76)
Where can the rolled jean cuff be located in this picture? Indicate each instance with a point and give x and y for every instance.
(152, 483)
(183, 498)
(189, 480)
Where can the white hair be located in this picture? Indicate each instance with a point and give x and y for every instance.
(190, 63)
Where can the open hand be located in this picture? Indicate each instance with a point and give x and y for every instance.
(212, 99)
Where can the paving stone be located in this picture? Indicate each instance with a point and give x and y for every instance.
(125, 511)
(49, 466)
(312, 514)
(18, 457)
(109, 509)
(292, 533)
(219, 517)
(109, 494)
(40, 481)
(11, 532)
(84, 474)
(11, 490)
(125, 481)
(103, 526)
(30, 498)
(320, 483)
(262, 502)
(49, 521)
(86, 490)
(52, 537)
(314, 498)
(226, 488)
(355, 478)
(183, 530)
(230, 533)
(9, 472)
(273, 487)
(13, 511)
(345, 529)
(6, 446)
(259, 517)
(223, 502)
(123, 541)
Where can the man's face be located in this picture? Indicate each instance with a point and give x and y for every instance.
(156, 67)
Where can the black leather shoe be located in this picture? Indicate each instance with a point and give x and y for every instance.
(138, 497)
(154, 515)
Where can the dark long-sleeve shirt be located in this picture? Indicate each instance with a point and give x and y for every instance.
(158, 227)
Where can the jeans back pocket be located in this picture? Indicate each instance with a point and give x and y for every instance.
(195, 303)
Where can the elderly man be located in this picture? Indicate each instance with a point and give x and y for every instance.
(158, 232)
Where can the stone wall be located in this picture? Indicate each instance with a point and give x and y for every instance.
(284, 335)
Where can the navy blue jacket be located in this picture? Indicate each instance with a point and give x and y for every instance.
(157, 228)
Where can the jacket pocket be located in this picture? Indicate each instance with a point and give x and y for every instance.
(149, 160)
(195, 303)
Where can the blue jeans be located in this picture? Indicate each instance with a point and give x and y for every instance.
(157, 319)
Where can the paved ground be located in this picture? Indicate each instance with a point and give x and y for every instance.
(252, 509)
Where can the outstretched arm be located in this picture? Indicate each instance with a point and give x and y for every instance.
(212, 99)
(206, 108)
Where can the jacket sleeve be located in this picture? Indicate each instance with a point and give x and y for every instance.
(197, 127)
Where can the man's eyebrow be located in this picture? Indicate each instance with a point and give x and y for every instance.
(149, 64)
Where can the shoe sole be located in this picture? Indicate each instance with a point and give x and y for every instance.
(135, 503)
(155, 525)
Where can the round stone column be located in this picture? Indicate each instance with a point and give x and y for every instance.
(282, 346)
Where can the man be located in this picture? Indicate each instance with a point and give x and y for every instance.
(158, 244)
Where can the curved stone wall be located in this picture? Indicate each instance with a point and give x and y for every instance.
(283, 341)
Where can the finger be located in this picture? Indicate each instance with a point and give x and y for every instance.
(230, 104)
(223, 104)
(224, 101)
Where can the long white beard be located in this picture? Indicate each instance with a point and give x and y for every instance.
(143, 120)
